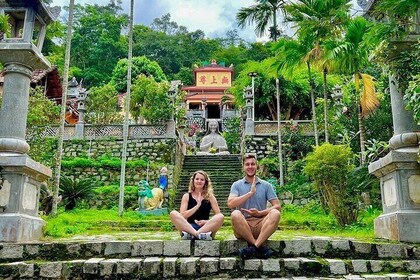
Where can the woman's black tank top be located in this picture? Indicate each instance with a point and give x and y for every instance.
(203, 213)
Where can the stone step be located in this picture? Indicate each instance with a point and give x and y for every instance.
(378, 254)
(223, 171)
(176, 266)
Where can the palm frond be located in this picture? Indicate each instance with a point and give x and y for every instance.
(368, 100)
(261, 14)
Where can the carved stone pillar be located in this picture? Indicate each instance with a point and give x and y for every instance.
(20, 176)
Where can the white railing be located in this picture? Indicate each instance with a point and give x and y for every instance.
(103, 131)
(270, 127)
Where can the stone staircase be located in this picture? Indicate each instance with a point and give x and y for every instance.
(223, 171)
(303, 258)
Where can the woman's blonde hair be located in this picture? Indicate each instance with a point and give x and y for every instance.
(208, 187)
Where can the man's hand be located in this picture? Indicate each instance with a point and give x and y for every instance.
(253, 185)
(200, 222)
(252, 212)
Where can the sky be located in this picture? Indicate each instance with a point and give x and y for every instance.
(214, 17)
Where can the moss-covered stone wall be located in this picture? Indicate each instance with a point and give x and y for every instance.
(155, 149)
(159, 152)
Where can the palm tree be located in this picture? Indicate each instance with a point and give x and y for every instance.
(325, 20)
(351, 55)
(263, 13)
(293, 53)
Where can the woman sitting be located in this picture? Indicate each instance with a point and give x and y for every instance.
(192, 220)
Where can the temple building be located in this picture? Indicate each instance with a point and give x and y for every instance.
(208, 98)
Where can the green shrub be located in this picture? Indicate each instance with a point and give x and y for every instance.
(295, 144)
(106, 197)
(104, 161)
(232, 134)
(4, 25)
(329, 166)
(73, 191)
(359, 180)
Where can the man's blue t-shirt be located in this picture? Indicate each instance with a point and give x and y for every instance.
(265, 192)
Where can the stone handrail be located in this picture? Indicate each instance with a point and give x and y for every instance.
(103, 131)
(270, 127)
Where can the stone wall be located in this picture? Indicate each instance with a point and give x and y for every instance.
(108, 176)
(155, 149)
(263, 146)
(159, 152)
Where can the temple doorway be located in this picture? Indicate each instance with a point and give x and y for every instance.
(213, 111)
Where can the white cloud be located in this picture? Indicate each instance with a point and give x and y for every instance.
(214, 17)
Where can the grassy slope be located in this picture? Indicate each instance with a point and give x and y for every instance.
(97, 224)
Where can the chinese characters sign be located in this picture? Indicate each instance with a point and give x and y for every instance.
(213, 79)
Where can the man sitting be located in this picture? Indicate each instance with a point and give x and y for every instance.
(252, 220)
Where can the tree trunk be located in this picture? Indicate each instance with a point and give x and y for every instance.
(126, 113)
(56, 184)
(273, 113)
(325, 107)
(311, 82)
(362, 134)
(288, 112)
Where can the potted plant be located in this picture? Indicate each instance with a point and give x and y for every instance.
(4, 25)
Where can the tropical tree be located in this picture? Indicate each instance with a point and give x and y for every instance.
(140, 65)
(149, 99)
(41, 110)
(263, 13)
(293, 53)
(325, 20)
(165, 25)
(294, 91)
(102, 105)
(351, 55)
(97, 43)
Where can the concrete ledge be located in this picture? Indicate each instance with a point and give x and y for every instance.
(324, 248)
(180, 267)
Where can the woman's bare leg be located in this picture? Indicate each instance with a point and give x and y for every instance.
(181, 223)
(213, 225)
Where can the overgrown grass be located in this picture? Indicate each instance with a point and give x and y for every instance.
(295, 222)
(89, 221)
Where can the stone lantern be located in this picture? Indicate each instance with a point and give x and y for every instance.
(76, 91)
(21, 176)
(249, 104)
(172, 93)
(337, 93)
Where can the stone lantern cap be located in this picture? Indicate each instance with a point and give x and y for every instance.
(41, 9)
(26, 17)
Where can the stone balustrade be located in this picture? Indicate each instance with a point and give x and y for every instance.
(104, 131)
